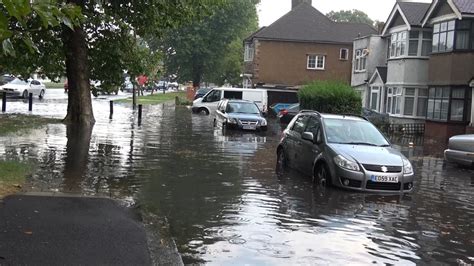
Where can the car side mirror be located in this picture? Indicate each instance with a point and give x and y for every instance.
(308, 136)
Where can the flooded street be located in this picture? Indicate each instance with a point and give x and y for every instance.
(226, 205)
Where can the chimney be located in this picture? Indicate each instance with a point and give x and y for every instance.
(295, 3)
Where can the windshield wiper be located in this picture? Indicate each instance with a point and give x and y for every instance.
(360, 143)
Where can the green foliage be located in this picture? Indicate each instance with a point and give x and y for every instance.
(12, 176)
(350, 16)
(34, 42)
(19, 124)
(333, 97)
(210, 48)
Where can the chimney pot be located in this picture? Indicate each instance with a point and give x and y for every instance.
(295, 3)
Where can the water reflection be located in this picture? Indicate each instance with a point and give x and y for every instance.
(226, 205)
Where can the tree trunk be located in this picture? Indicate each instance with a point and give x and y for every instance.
(79, 109)
(77, 155)
(197, 73)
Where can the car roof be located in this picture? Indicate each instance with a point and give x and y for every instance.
(238, 101)
(334, 116)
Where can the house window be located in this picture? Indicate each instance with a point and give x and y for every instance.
(465, 34)
(407, 101)
(398, 43)
(343, 54)
(360, 60)
(419, 43)
(426, 43)
(316, 62)
(443, 36)
(394, 97)
(249, 51)
(413, 43)
(374, 98)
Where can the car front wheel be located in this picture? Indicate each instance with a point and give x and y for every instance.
(25, 94)
(41, 95)
(321, 175)
(282, 162)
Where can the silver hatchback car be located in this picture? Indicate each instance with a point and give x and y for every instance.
(345, 151)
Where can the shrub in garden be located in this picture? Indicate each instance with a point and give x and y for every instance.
(333, 97)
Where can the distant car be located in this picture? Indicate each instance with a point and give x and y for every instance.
(287, 114)
(21, 88)
(344, 151)
(239, 114)
(461, 150)
(161, 85)
(5, 79)
(201, 92)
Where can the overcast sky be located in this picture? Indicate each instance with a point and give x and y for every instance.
(271, 10)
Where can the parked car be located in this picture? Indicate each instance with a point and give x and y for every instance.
(287, 114)
(375, 117)
(239, 114)
(5, 79)
(460, 150)
(21, 88)
(201, 92)
(208, 103)
(345, 151)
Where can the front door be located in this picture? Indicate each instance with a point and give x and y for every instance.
(310, 149)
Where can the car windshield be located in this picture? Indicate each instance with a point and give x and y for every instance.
(5, 79)
(203, 91)
(242, 107)
(356, 132)
(294, 107)
(18, 82)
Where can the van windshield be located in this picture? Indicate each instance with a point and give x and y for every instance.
(242, 107)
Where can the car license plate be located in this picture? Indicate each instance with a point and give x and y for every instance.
(386, 179)
(249, 127)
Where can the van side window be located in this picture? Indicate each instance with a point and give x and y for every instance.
(233, 95)
(213, 96)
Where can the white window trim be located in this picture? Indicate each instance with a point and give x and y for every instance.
(397, 43)
(358, 56)
(248, 52)
(340, 54)
(402, 97)
(315, 62)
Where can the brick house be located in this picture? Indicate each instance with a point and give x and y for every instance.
(301, 46)
(451, 68)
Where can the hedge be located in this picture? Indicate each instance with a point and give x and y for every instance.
(332, 97)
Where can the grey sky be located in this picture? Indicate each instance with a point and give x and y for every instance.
(271, 10)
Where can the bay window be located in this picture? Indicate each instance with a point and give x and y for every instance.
(407, 101)
(360, 60)
(453, 35)
(398, 43)
(449, 104)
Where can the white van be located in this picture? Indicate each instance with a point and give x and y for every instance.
(208, 103)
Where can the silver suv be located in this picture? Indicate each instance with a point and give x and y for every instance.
(345, 151)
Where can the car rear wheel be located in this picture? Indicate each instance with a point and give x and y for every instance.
(25, 94)
(321, 175)
(41, 94)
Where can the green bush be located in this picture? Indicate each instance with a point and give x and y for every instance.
(332, 97)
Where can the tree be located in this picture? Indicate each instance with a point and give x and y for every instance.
(350, 16)
(86, 39)
(210, 48)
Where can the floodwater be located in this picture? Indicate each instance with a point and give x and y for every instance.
(226, 205)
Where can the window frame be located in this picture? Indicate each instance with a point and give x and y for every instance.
(316, 61)
(359, 60)
(249, 52)
(347, 54)
(466, 99)
(396, 98)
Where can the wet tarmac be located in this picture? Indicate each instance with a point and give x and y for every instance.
(226, 205)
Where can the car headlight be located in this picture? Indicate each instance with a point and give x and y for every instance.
(263, 122)
(407, 167)
(232, 121)
(342, 162)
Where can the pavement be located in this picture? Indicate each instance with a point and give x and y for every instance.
(60, 230)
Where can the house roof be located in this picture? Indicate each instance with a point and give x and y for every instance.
(382, 73)
(414, 12)
(459, 7)
(465, 6)
(306, 24)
